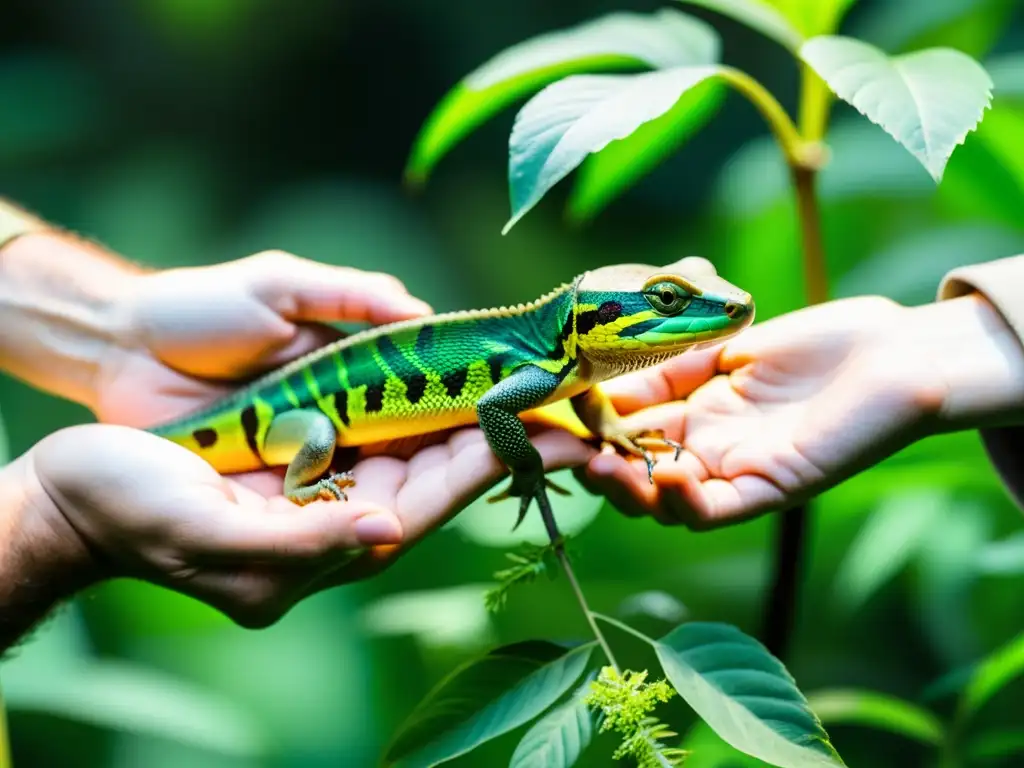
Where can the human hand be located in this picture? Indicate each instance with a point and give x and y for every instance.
(797, 404)
(131, 504)
(186, 336)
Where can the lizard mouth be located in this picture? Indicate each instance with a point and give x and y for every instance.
(687, 329)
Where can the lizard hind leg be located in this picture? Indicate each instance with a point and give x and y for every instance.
(596, 411)
(305, 440)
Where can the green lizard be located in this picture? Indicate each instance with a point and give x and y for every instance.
(492, 367)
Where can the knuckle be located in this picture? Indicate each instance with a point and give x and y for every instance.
(386, 280)
(275, 258)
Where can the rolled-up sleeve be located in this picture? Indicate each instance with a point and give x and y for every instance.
(1001, 282)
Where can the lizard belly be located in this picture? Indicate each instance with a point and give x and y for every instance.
(382, 427)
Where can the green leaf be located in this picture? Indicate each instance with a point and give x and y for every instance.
(665, 38)
(556, 130)
(623, 162)
(985, 179)
(884, 544)
(998, 670)
(759, 15)
(877, 710)
(485, 698)
(130, 698)
(927, 100)
(558, 739)
(946, 567)
(707, 750)
(745, 694)
(1004, 557)
(993, 745)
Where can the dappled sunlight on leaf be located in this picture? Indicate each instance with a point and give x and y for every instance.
(927, 100)
(621, 40)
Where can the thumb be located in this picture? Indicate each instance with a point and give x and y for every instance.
(305, 291)
(277, 534)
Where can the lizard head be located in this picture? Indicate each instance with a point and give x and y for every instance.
(630, 316)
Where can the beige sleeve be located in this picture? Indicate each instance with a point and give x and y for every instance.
(1002, 283)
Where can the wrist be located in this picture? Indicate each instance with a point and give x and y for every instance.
(43, 560)
(61, 311)
(971, 363)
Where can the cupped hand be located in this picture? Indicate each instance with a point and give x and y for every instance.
(788, 408)
(190, 335)
(143, 507)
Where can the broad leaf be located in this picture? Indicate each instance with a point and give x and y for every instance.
(927, 100)
(877, 710)
(884, 544)
(759, 15)
(622, 163)
(624, 40)
(558, 739)
(580, 115)
(997, 671)
(486, 698)
(707, 750)
(745, 694)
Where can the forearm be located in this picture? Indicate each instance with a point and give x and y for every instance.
(974, 356)
(59, 310)
(42, 560)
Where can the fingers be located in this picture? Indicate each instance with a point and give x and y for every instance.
(683, 493)
(672, 380)
(302, 290)
(277, 531)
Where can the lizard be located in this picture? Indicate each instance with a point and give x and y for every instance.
(490, 367)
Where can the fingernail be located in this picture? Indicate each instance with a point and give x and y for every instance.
(378, 528)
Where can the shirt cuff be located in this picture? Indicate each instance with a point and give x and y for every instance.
(1001, 282)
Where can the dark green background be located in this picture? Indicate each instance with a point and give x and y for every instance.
(186, 132)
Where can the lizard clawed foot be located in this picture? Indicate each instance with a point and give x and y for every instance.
(528, 489)
(638, 445)
(331, 488)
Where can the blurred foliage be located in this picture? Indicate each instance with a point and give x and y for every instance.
(195, 132)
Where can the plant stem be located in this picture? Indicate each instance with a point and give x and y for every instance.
(790, 543)
(786, 133)
(624, 627)
(558, 543)
(567, 567)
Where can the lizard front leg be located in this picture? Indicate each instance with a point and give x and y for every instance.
(497, 413)
(597, 413)
(305, 441)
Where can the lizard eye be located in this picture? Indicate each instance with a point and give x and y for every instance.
(667, 298)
